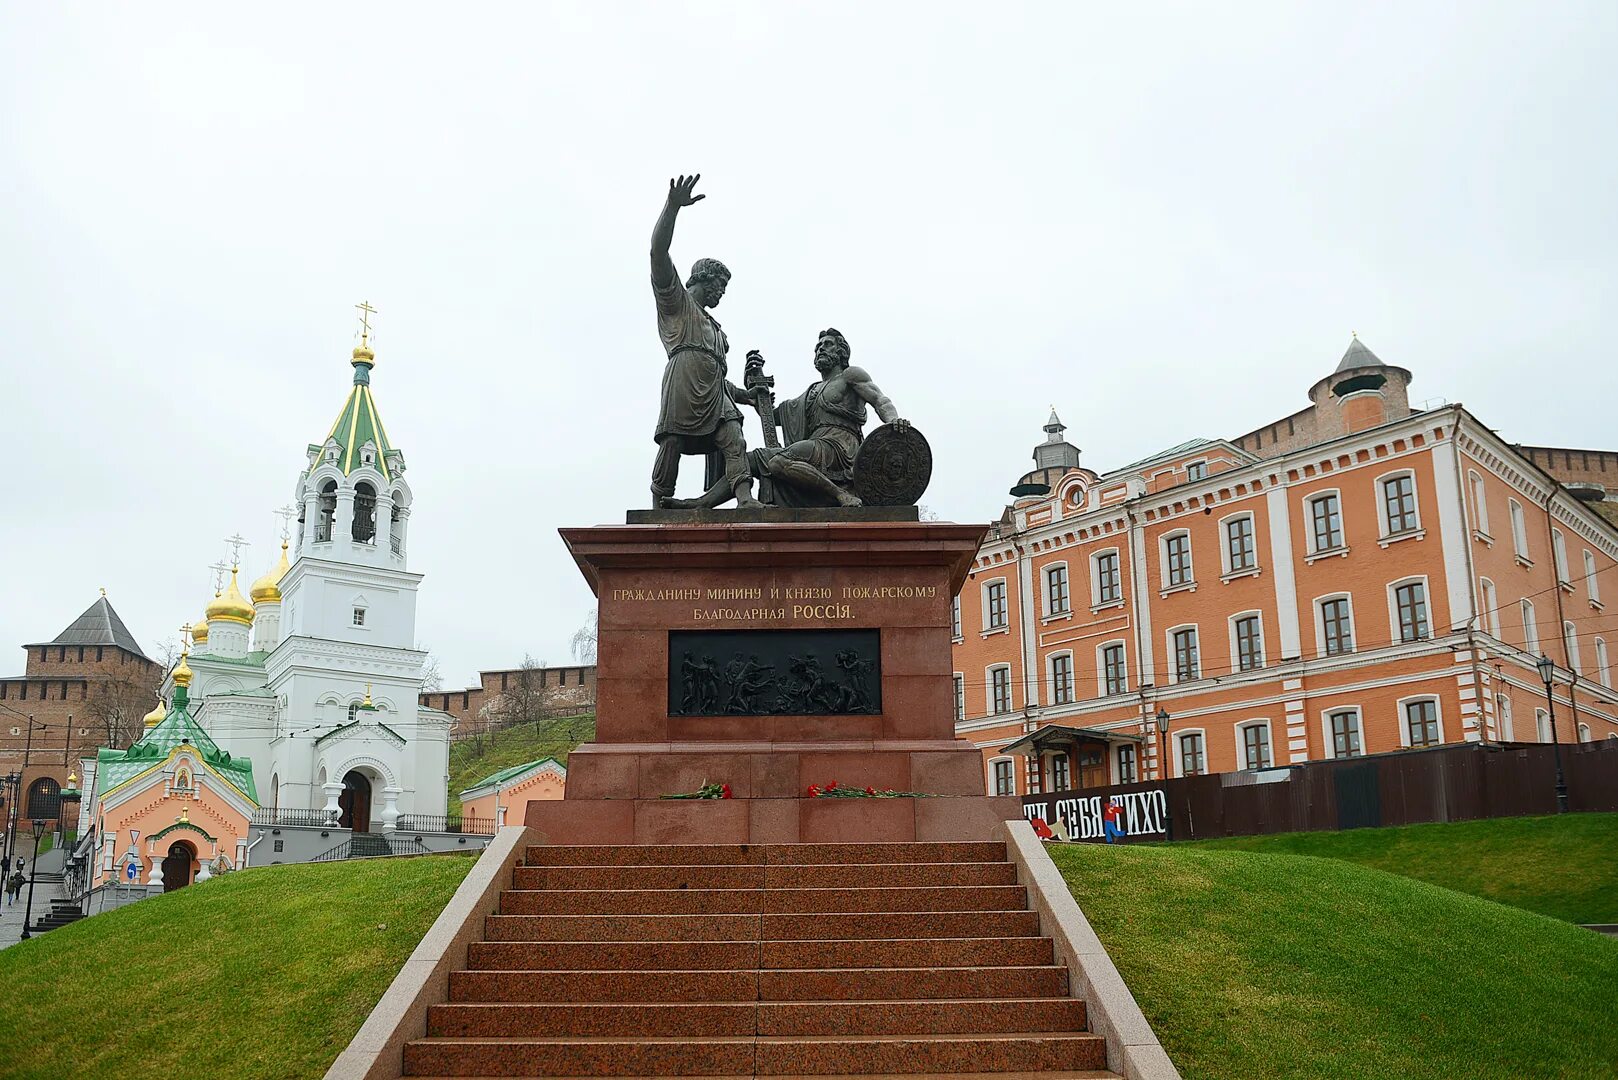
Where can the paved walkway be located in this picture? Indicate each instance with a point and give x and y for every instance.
(44, 892)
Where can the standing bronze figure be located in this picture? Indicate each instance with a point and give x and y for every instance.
(698, 414)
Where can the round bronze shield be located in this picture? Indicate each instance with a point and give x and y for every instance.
(892, 467)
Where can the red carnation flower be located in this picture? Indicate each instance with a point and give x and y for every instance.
(832, 786)
(814, 792)
(870, 791)
(724, 792)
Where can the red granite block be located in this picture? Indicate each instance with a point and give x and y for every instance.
(961, 819)
(773, 821)
(877, 852)
(950, 772)
(846, 820)
(613, 955)
(717, 729)
(919, 1017)
(888, 924)
(918, 650)
(877, 1055)
(879, 769)
(918, 707)
(621, 927)
(632, 902)
(579, 1057)
(632, 710)
(905, 953)
(901, 984)
(927, 898)
(888, 875)
(514, 1020)
(649, 855)
(776, 776)
(639, 877)
(690, 821)
(563, 821)
(593, 773)
(603, 986)
(822, 729)
(677, 773)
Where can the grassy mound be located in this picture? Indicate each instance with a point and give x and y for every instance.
(259, 975)
(470, 760)
(1564, 866)
(1254, 965)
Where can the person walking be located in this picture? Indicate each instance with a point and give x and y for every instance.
(14, 885)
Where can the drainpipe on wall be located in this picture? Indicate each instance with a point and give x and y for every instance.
(1140, 653)
(1471, 586)
(1561, 616)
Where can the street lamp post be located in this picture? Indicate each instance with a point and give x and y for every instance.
(1547, 669)
(33, 873)
(1162, 719)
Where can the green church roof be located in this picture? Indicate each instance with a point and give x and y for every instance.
(496, 779)
(114, 768)
(359, 422)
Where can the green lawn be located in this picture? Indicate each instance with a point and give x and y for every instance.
(264, 974)
(1564, 866)
(1252, 966)
(470, 760)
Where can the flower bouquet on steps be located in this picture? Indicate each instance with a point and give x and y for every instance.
(832, 791)
(706, 791)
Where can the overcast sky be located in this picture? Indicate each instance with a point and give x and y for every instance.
(1165, 223)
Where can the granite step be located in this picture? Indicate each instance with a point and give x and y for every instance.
(1057, 1074)
(911, 984)
(753, 954)
(561, 987)
(951, 1017)
(585, 1056)
(935, 952)
(875, 925)
(621, 927)
(844, 875)
(762, 854)
(862, 925)
(899, 1054)
(761, 901)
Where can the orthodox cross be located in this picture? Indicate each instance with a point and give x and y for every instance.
(185, 636)
(285, 514)
(366, 311)
(236, 543)
(218, 569)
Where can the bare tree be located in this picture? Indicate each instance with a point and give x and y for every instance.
(522, 701)
(584, 640)
(431, 677)
(117, 706)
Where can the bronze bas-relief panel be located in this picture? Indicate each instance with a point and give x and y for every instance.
(775, 672)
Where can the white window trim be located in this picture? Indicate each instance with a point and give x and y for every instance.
(1045, 590)
(1542, 725)
(1096, 603)
(1480, 507)
(988, 690)
(1240, 729)
(1171, 664)
(1226, 572)
(1193, 464)
(1570, 642)
(1583, 732)
(1309, 523)
(1393, 608)
(1330, 737)
(1385, 535)
(1559, 560)
(1050, 677)
(983, 598)
(1504, 719)
(1190, 583)
(958, 695)
(1489, 602)
(1117, 766)
(1318, 606)
(956, 621)
(988, 772)
(1235, 650)
(1101, 665)
(1519, 532)
(1530, 622)
(1177, 762)
(1592, 583)
(1404, 719)
(1603, 667)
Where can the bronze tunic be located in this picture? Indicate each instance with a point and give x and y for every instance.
(695, 399)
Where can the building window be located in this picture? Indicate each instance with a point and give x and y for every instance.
(1559, 556)
(1193, 758)
(1336, 626)
(1197, 470)
(1491, 609)
(994, 606)
(1508, 730)
(1519, 529)
(359, 616)
(1399, 504)
(1000, 690)
(1603, 672)
(1570, 641)
(1480, 505)
(1114, 675)
(960, 697)
(1056, 599)
(1256, 746)
(955, 617)
(1060, 777)
(1186, 665)
(1109, 587)
(1421, 722)
(1249, 643)
(353, 711)
(1177, 559)
(1326, 521)
(1542, 722)
(1584, 732)
(1005, 779)
(1345, 733)
(1410, 601)
(1062, 679)
(1126, 764)
(1592, 582)
(1239, 550)
(1530, 627)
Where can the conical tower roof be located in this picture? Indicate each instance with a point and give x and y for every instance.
(359, 422)
(99, 625)
(1358, 356)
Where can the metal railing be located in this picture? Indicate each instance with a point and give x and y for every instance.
(398, 544)
(446, 823)
(322, 532)
(371, 846)
(283, 816)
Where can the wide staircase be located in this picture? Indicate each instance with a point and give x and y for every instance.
(761, 960)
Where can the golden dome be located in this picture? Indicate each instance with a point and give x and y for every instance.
(267, 590)
(182, 673)
(155, 717)
(363, 355)
(232, 606)
(199, 630)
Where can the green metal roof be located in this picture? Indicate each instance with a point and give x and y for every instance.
(114, 768)
(496, 779)
(359, 423)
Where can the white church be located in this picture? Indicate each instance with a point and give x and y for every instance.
(314, 675)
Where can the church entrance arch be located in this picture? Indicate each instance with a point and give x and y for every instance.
(355, 802)
(177, 866)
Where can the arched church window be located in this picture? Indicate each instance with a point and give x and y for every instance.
(353, 711)
(328, 511)
(364, 513)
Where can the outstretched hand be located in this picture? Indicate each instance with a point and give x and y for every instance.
(680, 191)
